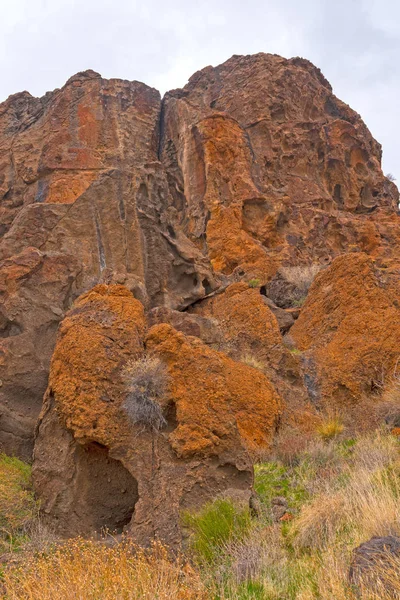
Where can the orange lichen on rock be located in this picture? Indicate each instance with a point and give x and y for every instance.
(350, 327)
(250, 329)
(244, 317)
(105, 328)
(228, 184)
(220, 404)
(65, 189)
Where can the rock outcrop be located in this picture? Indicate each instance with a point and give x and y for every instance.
(253, 166)
(348, 330)
(374, 566)
(95, 467)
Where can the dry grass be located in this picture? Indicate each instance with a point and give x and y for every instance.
(252, 361)
(147, 382)
(330, 428)
(340, 493)
(301, 276)
(85, 570)
(18, 507)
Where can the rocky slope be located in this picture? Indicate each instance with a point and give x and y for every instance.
(174, 205)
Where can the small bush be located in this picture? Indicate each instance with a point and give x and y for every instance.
(214, 526)
(147, 382)
(18, 507)
(391, 177)
(301, 276)
(253, 283)
(330, 428)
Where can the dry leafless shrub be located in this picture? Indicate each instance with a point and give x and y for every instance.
(301, 276)
(146, 381)
(252, 555)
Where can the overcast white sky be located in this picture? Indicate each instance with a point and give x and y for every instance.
(356, 43)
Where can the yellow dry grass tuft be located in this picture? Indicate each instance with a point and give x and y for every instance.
(330, 428)
(82, 569)
(252, 361)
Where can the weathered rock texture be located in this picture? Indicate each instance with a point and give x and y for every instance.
(95, 468)
(253, 164)
(348, 330)
(374, 565)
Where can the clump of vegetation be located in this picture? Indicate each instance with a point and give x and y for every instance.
(92, 571)
(339, 493)
(330, 428)
(217, 524)
(252, 361)
(18, 507)
(295, 351)
(391, 177)
(302, 277)
(253, 283)
(147, 382)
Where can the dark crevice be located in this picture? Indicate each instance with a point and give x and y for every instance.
(161, 129)
(102, 256)
(108, 492)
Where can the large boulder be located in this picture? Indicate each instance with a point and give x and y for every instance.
(121, 445)
(348, 330)
(375, 566)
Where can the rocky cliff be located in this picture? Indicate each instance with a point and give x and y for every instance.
(174, 206)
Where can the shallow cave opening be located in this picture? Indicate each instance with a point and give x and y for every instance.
(107, 492)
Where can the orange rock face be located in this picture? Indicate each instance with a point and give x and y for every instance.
(220, 404)
(94, 467)
(282, 169)
(348, 329)
(252, 165)
(248, 325)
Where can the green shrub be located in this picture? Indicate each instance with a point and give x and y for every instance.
(214, 526)
(253, 283)
(18, 507)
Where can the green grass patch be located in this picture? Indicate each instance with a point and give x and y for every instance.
(273, 479)
(216, 524)
(18, 507)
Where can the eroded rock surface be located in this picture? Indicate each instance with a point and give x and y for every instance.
(348, 330)
(252, 165)
(95, 468)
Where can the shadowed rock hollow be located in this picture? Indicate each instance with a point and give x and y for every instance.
(167, 209)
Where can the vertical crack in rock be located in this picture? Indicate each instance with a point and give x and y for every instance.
(161, 129)
(102, 255)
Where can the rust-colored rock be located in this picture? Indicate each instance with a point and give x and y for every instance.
(34, 289)
(252, 165)
(348, 330)
(94, 467)
(221, 405)
(250, 333)
(80, 182)
(275, 168)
